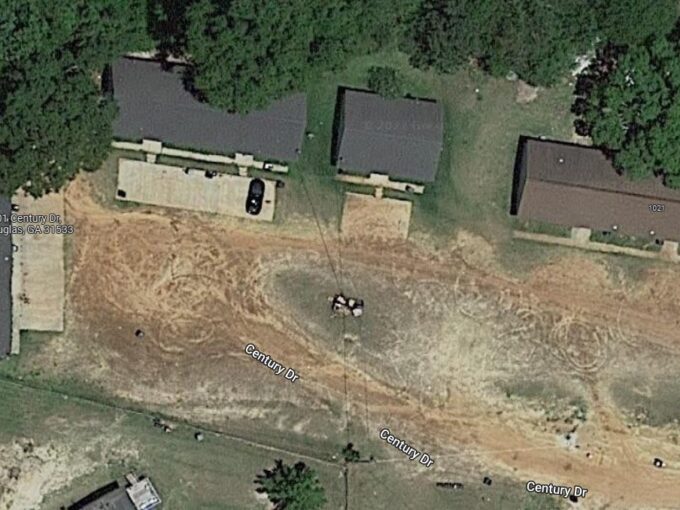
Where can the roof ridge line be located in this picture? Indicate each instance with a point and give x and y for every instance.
(605, 190)
(401, 137)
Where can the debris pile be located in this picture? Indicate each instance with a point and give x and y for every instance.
(343, 306)
(450, 485)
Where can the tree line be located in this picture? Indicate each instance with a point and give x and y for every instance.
(247, 53)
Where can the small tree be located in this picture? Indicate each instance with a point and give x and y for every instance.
(386, 81)
(289, 487)
(350, 453)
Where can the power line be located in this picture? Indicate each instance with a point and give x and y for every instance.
(26, 386)
(323, 238)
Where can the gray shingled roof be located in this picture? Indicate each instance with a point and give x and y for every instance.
(154, 104)
(399, 137)
(5, 280)
(577, 186)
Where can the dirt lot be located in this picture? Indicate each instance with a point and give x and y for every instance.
(450, 353)
(368, 216)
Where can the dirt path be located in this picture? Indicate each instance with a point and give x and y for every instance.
(176, 271)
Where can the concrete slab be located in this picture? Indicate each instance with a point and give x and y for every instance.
(173, 186)
(581, 235)
(382, 181)
(369, 216)
(669, 251)
(149, 147)
(40, 277)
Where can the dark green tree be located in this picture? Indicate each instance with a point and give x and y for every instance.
(445, 34)
(627, 101)
(629, 22)
(293, 487)
(51, 128)
(538, 40)
(351, 454)
(168, 24)
(54, 118)
(247, 53)
(386, 81)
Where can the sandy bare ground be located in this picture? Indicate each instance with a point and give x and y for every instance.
(368, 216)
(28, 471)
(200, 289)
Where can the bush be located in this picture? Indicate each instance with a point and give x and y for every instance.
(386, 81)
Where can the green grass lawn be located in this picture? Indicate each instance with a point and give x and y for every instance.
(215, 474)
(375, 486)
(473, 185)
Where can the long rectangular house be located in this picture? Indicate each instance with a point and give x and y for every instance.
(577, 186)
(153, 103)
(5, 277)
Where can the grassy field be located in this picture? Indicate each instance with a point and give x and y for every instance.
(217, 473)
(376, 487)
(648, 401)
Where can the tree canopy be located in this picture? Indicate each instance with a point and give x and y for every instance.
(630, 22)
(291, 487)
(246, 53)
(447, 33)
(54, 118)
(628, 102)
(539, 40)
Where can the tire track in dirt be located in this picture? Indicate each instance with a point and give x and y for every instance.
(119, 241)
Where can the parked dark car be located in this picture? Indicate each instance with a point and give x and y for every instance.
(255, 197)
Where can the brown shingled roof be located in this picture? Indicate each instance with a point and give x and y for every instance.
(577, 186)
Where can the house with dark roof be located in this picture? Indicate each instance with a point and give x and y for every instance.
(577, 186)
(154, 104)
(109, 497)
(135, 494)
(6, 256)
(401, 138)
